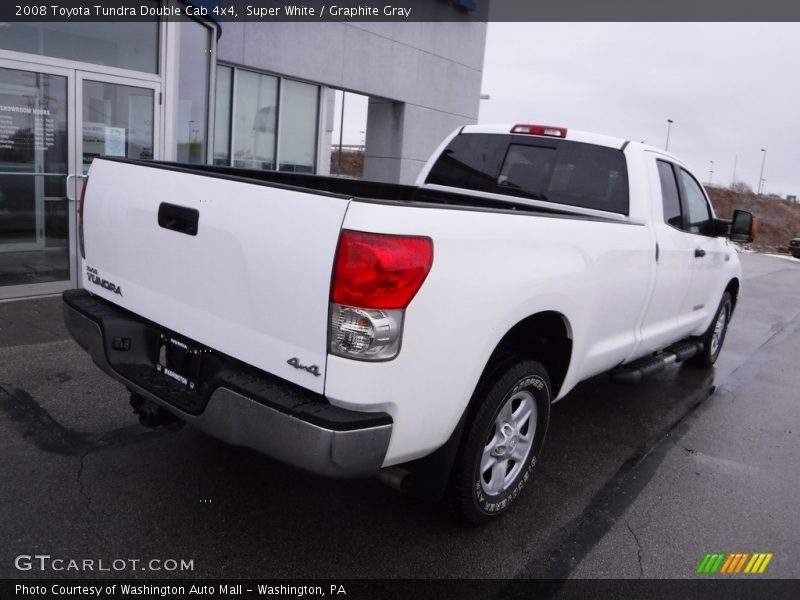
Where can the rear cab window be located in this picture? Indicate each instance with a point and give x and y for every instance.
(553, 170)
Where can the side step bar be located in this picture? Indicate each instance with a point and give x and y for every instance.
(635, 371)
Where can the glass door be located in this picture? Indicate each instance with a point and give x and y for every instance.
(36, 223)
(116, 117)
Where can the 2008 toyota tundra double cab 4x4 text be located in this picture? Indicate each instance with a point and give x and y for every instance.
(420, 333)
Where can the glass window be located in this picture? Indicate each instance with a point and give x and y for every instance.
(297, 145)
(560, 171)
(194, 64)
(255, 120)
(670, 198)
(589, 176)
(527, 168)
(34, 215)
(698, 215)
(126, 45)
(117, 121)
(471, 161)
(222, 116)
(252, 131)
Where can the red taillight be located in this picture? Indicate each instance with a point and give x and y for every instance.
(380, 271)
(547, 130)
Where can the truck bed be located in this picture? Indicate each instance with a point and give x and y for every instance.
(374, 191)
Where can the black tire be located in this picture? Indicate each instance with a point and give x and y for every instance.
(522, 386)
(711, 348)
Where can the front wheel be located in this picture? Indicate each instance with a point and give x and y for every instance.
(715, 335)
(501, 443)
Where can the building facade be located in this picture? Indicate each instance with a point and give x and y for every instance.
(248, 94)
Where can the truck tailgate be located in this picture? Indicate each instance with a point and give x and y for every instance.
(253, 282)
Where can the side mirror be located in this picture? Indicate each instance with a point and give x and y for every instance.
(743, 227)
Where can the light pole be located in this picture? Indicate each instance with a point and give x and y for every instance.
(761, 177)
(711, 172)
(669, 126)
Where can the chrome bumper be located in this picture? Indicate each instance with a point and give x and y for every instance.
(343, 449)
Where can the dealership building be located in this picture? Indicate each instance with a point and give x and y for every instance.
(256, 95)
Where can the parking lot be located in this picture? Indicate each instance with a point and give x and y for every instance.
(634, 480)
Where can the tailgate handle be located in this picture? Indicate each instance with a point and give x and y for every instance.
(178, 218)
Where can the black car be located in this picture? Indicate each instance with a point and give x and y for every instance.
(794, 247)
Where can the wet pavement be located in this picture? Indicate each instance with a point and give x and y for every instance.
(634, 480)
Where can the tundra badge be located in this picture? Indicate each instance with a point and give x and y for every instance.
(91, 273)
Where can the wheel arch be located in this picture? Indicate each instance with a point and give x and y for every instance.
(733, 289)
(544, 336)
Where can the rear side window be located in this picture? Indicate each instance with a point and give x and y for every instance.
(561, 171)
(670, 197)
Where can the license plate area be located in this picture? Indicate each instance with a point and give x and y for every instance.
(179, 361)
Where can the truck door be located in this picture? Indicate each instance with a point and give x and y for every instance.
(667, 318)
(709, 252)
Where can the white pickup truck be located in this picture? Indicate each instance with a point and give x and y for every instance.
(418, 333)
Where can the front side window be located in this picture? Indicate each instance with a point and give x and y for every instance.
(698, 215)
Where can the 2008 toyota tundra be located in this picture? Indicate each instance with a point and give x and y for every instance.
(354, 328)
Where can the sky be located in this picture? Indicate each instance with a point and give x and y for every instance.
(731, 89)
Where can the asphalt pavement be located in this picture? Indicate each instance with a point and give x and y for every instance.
(634, 480)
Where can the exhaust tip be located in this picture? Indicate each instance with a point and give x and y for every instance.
(397, 478)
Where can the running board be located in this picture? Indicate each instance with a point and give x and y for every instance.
(635, 371)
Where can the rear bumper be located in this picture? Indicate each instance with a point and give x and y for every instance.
(237, 405)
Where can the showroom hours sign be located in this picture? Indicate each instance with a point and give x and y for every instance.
(24, 129)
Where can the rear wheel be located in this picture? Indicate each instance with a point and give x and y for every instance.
(501, 443)
(714, 337)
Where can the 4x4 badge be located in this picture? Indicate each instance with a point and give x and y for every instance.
(313, 369)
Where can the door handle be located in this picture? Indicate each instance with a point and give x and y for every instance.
(73, 176)
(699, 253)
(178, 218)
